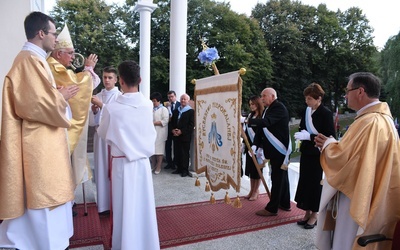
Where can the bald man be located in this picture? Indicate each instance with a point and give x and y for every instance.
(182, 125)
(272, 130)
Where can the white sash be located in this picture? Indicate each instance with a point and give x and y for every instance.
(309, 124)
(280, 147)
(250, 131)
(183, 110)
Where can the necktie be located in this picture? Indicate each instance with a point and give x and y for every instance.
(172, 106)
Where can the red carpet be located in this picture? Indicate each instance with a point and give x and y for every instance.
(189, 223)
(106, 227)
(87, 229)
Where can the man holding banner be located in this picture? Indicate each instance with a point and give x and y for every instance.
(272, 134)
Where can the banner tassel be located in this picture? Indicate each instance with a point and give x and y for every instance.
(197, 183)
(237, 203)
(212, 198)
(207, 189)
(227, 200)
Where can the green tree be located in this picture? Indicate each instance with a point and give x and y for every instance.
(390, 71)
(344, 41)
(357, 49)
(284, 24)
(311, 44)
(238, 39)
(285, 44)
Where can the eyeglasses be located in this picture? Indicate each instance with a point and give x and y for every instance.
(68, 52)
(53, 33)
(348, 90)
(48, 32)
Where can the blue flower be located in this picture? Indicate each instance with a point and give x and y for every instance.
(208, 56)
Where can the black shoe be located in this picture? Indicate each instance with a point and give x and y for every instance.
(265, 213)
(184, 174)
(302, 222)
(168, 167)
(176, 172)
(74, 213)
(308, 226)
(190, 174)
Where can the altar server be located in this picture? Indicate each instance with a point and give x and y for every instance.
(127, 126)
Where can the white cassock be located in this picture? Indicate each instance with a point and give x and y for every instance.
(127, 125)
(39, 229)
(100, 152)
(345, 229)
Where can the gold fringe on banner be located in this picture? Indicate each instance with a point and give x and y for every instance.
(237, 203)
(227, 200)
(226, 88)
(197, 183)
(212, 198)
(207, 189)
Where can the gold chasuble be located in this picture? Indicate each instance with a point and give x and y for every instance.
(367, 170)
(79, 104)
(34, 152)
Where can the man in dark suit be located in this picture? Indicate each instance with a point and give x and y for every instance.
(171, 105)
(271, 130)
(182, 125)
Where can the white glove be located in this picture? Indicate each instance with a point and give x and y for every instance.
(302, 135)
(254, 149)
(260, 155)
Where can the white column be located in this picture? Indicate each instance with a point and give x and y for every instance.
(15, 10)
(178, 36)
(145, 8)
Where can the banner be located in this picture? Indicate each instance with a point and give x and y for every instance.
(218, 111)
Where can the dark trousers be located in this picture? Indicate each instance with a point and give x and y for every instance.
(182, 155)
(280, 193)
(168, 151)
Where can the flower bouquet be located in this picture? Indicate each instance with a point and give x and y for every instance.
(208, 57)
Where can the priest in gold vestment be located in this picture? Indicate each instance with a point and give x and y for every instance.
(60, 61)
(361, 192)
(36, 183)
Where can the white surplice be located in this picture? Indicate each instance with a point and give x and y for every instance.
(127, 125)
(100, 152)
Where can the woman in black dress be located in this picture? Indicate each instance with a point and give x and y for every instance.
(257, 109)
(316, 119)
